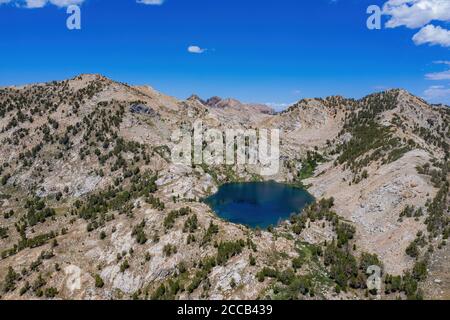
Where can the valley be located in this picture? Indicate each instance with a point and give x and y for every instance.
(92, 207)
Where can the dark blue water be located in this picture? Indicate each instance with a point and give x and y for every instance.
(258, 204)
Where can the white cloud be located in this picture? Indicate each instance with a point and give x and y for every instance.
(444, 75)
(381, 88)
(33, 4)
(442, 62)
(196, 49)
(65, 3)
(433, 35)
(416, 13)
(151, 2)
(439, 76)
(279, 106)
(438, 94)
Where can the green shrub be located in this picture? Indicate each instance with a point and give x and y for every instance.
(99, 281)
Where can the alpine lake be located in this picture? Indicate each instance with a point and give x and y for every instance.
(258, 204)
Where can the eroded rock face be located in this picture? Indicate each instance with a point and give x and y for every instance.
(142, 109)
(375, 204)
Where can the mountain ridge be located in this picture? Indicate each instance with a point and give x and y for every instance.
(214, 100)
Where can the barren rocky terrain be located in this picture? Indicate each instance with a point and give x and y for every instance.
(92, 207)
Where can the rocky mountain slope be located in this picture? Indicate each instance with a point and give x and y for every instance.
(91, 206)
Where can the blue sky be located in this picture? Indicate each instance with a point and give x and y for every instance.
(257, 51)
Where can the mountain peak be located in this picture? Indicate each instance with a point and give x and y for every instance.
(90, 77)
(196, 98)
(213, 101)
